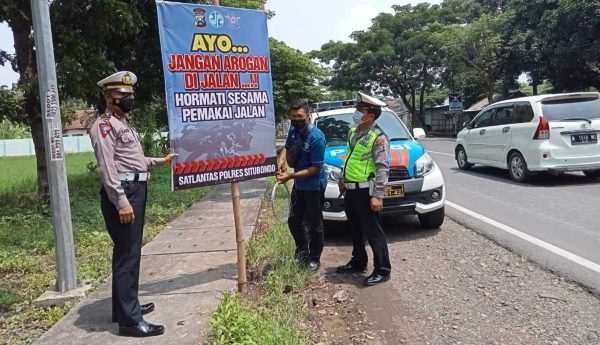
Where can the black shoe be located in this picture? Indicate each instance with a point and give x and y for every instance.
(142, 329)
(376, 278)
(145, 308)
(313, 266)
(351, 268)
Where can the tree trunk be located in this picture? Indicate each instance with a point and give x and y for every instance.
(422, 106)
(37, 134)
(535, 81)
(490, 93)
(410, 108)
(27, 68)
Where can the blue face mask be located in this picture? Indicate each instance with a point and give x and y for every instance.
(357, 116)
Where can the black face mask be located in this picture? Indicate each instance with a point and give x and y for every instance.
(300, 124)
(126, 104)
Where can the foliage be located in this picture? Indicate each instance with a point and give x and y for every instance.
(274, 316)
(481, 49)
(477, 47)
(11, 105)
(401, 55)
(69, 108)
(11, 130)
(294, 75)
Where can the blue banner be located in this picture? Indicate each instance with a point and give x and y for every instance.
(219, 93)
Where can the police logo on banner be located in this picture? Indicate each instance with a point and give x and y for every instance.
(216, 19)
(233, 21)
(199, 17)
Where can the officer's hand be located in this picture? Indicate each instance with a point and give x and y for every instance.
(341, 185)
(126, 215)
(376, 204)
(169, 158)
(281, 166)
(283, 177)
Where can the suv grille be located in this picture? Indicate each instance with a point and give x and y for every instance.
(399, 173)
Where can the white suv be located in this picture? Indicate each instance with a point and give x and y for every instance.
(554, 133)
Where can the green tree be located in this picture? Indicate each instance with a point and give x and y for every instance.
(12, 117)
(401, 55)
(11, 105)
(11, 130)
(482, 50)
(294, 77)
(557, 40)
(570, 44)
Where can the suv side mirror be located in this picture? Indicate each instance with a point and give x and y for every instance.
(419, 133)
(467, 125)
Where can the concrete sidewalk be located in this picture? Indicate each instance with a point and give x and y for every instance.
(184, 270)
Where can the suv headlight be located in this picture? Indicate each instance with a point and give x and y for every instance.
(333, 173)
(424, 165)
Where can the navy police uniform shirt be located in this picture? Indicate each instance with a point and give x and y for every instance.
(312, 154)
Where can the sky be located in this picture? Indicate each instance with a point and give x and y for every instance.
(301, 24)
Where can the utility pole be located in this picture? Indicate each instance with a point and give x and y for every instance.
(66, 269)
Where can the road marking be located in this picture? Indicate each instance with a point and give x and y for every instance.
(533, 240)
(441, 153)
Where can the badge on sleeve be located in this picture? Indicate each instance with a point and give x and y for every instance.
(105, 128)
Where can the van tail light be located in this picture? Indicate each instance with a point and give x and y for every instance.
(543, 130)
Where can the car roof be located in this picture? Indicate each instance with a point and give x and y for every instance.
(541, 98)
(340, 111)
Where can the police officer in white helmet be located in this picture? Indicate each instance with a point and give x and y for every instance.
(365, 175)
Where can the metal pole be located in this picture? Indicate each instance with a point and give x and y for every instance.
(66, 270)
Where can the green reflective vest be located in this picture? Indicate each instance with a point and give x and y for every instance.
(360, 166)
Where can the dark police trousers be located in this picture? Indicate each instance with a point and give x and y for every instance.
(127, 252)
(366, 222)
(305, 208)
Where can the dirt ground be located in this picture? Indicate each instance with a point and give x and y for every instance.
(450, 286)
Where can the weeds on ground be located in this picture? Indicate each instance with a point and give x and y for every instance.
(275, 316)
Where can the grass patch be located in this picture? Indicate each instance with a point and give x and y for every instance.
(274, 316)
(27, 263)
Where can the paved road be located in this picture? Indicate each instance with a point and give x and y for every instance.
(563, 211)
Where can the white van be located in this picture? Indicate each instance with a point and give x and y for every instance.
(555, 133)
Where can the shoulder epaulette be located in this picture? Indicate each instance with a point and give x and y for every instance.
(105, 117)
(378, 131)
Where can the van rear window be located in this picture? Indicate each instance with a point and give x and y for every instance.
(560, 109)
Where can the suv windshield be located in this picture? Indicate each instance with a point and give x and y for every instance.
(336, 127)
(574, 108)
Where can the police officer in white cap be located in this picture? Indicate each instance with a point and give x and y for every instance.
(124, 172)
(365, 175)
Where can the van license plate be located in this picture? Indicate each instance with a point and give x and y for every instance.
(394, 190)
(582, 139)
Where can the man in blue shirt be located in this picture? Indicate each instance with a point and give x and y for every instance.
(305, 151)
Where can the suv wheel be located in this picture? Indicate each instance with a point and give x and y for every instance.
(517, 167)
(461, 159)
(433, 219)
(592, 173)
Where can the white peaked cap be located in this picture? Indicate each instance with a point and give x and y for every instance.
(364, 98)
(122, 81)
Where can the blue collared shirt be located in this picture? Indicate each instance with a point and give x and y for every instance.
(312, 154)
